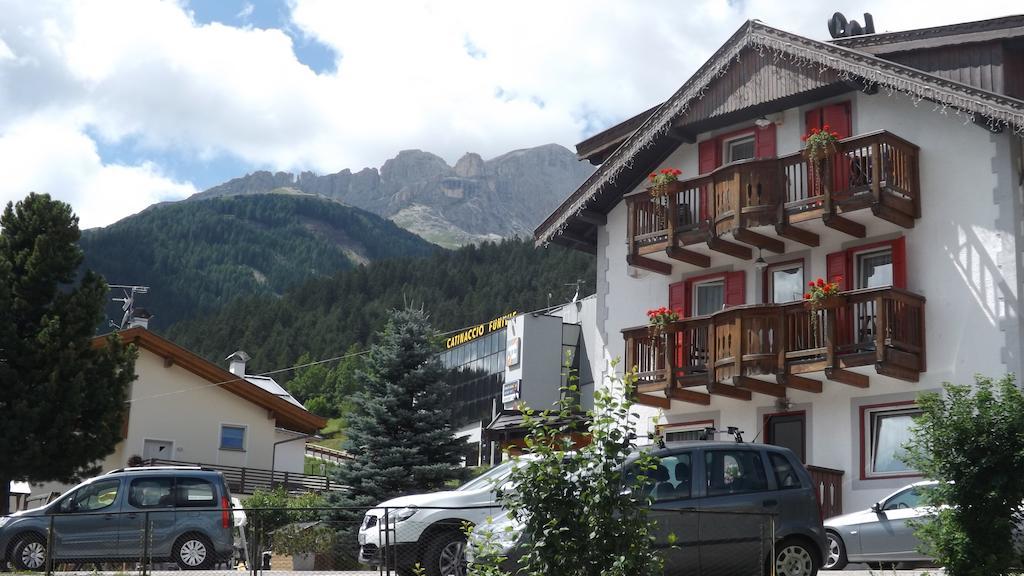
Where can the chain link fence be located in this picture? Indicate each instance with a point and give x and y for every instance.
(428, 541)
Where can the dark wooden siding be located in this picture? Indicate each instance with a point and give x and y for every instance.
(757, 79)
(1013, 69)
(978, 65)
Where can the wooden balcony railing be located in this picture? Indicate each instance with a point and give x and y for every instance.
(877, 171)
(828, 487)
(725, 351)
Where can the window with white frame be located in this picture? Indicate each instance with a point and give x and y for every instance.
(785, 282)
(741, 148)
(232, 437)
(708, 297)
(887, 430)
(873, 268)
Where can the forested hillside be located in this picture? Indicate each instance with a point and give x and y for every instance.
(198, 256)
(329, 316)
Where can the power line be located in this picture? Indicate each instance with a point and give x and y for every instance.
(313, 363)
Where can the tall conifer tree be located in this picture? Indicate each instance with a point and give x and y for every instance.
(62, 400)
(400, 428)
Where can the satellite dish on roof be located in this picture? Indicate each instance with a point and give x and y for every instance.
(839, 27)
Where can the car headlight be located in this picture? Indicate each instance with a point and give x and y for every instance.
(402, 514)
(4, 520)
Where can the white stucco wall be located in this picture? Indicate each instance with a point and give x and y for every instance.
(172, 404)
(962, 256)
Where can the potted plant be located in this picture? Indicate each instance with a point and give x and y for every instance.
(822, 295)
(658, 320)
(664, 181)
(819, 146)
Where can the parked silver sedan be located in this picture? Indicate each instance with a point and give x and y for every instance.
(879, 534)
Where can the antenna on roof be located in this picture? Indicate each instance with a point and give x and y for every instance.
(127, 303)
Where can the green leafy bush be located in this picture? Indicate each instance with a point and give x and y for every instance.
(582, 509)
(971, 440)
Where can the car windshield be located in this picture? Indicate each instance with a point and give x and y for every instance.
(493, 477)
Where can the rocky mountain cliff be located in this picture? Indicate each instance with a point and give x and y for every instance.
(475, 200)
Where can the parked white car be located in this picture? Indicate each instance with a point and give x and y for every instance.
(429, 529)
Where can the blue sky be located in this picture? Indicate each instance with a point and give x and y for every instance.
(113, 105)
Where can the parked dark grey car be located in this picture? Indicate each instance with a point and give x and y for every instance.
(716, 506)
(103, 520)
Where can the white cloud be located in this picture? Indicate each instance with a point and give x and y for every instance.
(247, 9)
(41, 155)
(448, 76)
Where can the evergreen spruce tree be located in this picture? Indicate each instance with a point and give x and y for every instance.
(400, 429)
(63, 401)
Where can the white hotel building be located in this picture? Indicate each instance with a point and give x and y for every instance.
(920, 213)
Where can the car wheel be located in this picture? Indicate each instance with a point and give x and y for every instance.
(835, 557)
(794, 557)
(446, 555)
(193, 552)
(29, 553)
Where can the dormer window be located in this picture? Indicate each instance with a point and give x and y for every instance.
(741, 148)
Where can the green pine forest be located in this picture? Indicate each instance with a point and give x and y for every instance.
(325, 317)
(197, 256)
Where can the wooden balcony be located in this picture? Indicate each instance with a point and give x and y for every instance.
(759, 202)
(766, 348)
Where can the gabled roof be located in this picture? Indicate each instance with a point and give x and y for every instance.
(288, 414)
(605, 185)
(961, 33)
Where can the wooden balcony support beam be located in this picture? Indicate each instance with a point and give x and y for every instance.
(898, 372)
(790, 232)
(759, 386)
(844, 225)
(846, 377)
(748, 236)
(892, 215)
(691, 396)
(730, 248)
(645, 263)
(799, 383)
(688, 256)
(719, 389)
(655, 401)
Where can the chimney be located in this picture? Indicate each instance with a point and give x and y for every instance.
(237, 363)
(140, 318)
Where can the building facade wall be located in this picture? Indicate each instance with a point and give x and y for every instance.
(962, 255)
(169, 403)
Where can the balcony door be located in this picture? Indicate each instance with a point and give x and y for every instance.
(788, 430)
(700, 296)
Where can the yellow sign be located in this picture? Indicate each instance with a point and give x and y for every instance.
(479, 330)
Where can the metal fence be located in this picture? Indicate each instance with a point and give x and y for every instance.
(349, 541)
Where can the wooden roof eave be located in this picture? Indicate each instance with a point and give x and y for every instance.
(287, 414)
(973, 99)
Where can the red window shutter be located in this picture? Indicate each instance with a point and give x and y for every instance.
(835, 266)
(813, 120)
(837, 116)
(899, 262)
(736, 288)
(677, 296)
(709, 155)
(764, 141)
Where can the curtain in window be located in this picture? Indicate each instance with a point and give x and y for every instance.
(710, 298)
(889, 433)
(876, 270)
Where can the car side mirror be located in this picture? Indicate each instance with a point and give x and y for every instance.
(876, 507)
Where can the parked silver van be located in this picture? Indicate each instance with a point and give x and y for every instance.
(104, 520)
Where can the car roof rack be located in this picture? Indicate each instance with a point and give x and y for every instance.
(164, 467)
